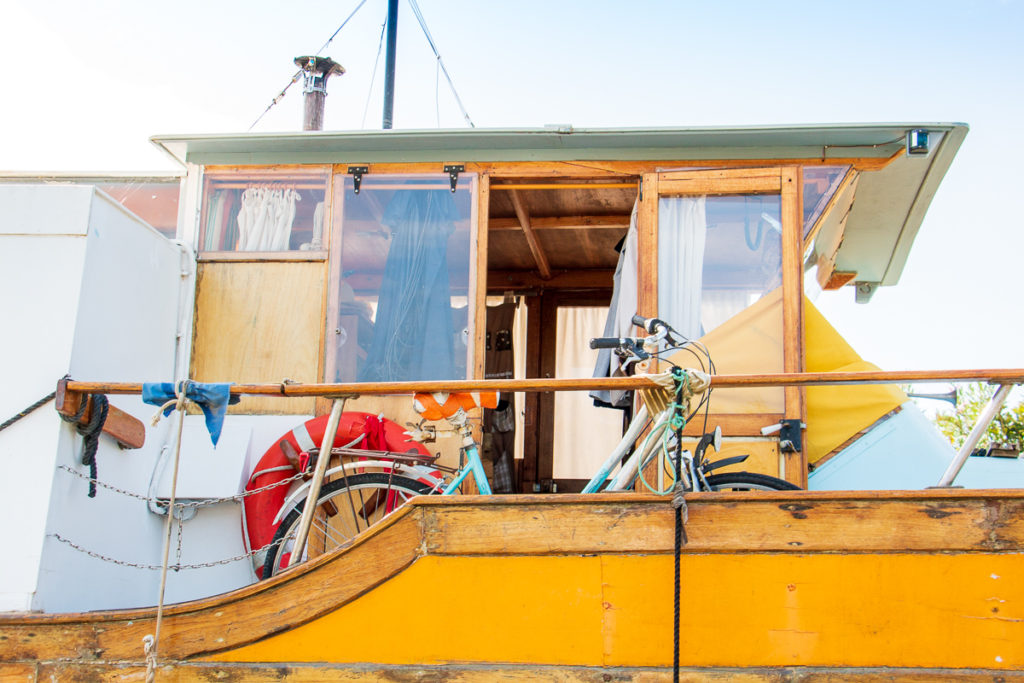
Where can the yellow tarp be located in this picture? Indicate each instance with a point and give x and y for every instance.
(835, 414)
(751, 342)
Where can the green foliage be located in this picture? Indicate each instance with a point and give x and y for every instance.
(1008, 425)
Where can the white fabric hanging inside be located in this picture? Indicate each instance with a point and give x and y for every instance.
(265, 219)
(682, 231)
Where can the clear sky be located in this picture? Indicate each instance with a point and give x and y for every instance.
(85, 84)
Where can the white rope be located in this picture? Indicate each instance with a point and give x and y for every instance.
(150, 646)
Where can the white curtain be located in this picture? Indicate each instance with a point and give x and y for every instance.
(620, 314)
(265, 219)
(682, 231)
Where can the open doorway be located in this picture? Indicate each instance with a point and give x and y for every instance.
(553, 245)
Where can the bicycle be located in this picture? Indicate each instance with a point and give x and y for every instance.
(356, 499)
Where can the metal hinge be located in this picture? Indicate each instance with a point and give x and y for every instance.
(357, 175)
(453, 171)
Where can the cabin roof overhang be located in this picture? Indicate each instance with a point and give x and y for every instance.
(890, 202)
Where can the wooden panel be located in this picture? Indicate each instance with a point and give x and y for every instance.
(792, 310)
(726, 181)
(597, 278)
(259, 322)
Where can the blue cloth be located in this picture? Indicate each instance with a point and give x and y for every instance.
(212, 398)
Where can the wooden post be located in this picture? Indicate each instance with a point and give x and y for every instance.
(318, 477)
(795, 469)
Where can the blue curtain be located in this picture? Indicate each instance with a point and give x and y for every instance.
(413, 337)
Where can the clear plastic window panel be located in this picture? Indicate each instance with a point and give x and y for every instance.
(264, 212)
(820, 183)
(720, 280)
(403, 287)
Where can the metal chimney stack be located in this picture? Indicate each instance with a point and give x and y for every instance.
(316, 71)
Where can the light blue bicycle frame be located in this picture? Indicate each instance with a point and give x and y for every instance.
(474, 465)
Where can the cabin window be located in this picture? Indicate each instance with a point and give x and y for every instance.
(400, 282)
(258, 211)
(717, 256)
(820, 185)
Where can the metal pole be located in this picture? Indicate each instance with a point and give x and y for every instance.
(389, 65)
(984, 420)
(317, 481)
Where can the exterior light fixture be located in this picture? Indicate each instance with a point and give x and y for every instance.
(917, 142)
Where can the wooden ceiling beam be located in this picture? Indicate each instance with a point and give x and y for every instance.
(531, 238)
(562, 223)
(592, 278)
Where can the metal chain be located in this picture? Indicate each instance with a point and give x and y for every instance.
(181, 506)
(177, 556)
(177, 567)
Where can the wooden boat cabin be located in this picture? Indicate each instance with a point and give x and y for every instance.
(383, 256)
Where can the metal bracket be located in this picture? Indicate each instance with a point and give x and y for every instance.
(790, 440)
(357, 175)
(453, 171)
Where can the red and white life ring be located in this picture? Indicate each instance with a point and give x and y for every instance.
(261, 508)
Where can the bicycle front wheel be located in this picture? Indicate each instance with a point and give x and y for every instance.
(345, 508)
(748, 481)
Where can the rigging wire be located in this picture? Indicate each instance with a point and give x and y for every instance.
(373, 76)
(423, 25)
(298, 73)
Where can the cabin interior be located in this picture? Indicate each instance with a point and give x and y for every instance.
(399, 265)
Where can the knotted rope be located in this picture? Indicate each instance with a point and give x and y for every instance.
(683, 392)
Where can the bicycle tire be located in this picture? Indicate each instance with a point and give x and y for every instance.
(368, 491)
(748, 481)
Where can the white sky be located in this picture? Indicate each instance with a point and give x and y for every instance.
(86, 84)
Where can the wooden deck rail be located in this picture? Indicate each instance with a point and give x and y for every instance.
(993, 376)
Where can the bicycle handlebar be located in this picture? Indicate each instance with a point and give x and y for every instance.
(610, 342)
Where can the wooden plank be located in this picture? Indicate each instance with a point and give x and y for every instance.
(531, 239)
(478, 274)
(596, 278)
(546, 401)
(716, 186)
(795, 466)
(261, 256)
(299, 672)
(586, 168)
(995, 376)
(124, 428)
(733, 424)
(259, 322)
(647, 248)
(512, 187)
(564, 223)
(531, 416)
(788, 522)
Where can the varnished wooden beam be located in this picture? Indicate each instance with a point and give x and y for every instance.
(994, 376)
(126, 429)
(563, 223)
(596, 278)
(531, 239)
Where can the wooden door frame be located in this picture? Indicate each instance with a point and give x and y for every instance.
(786, 181)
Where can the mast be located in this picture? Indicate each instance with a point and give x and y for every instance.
(389, 65)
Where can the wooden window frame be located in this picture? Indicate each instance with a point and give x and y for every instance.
(280, 173)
